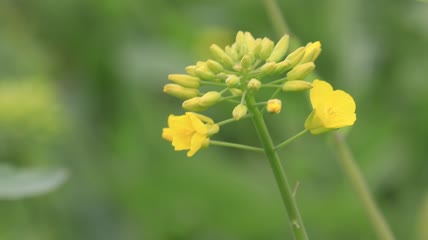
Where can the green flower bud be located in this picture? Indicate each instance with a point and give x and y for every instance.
(215, 66)
(266, 48)
(241, 45)
(233, 81)
(193, 105)
(204, 72)
(239, 111)
(257, 47)
(209, 99)
(300, 71)
(180, 91)
(312, 52)
(221, 76)
(295, 57)
(296, 85)
(282, 67)
(254, 84)
(267, 68)
(279, 50)
(247, 61)
(184, 80)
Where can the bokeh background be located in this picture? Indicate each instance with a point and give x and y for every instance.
(81, 90)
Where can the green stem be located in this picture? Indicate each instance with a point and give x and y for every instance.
(351, 169)
(235, 145)
(288, 141)
(296, 222)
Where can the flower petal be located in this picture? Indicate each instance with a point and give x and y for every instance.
(320, 91)
(196, 144)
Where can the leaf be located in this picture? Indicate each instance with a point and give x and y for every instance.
(17, 183)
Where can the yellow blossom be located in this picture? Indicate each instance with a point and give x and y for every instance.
(189, 132)
(331, 109)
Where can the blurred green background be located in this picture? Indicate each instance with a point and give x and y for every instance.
(81, 89)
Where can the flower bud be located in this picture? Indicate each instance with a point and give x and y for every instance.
(300, 71)
(233, 81)
(282, 67)
(295, 57)
(296, 85)
(279, 50)
(184, 80)
(193, 105)
(250, 41)
(180, 91)
(257, 47)
(254, 84)
(274, 105)
(266, 48)
(239, 111)
(204, 72)
(231, 52)
(191, 70)
(215, 66)
(267, 68)
(241, 45)
(221, 76)
(220, 55)
(209, 99)
(247, 60)
(212, 129)
(235, 91)
(312, 52)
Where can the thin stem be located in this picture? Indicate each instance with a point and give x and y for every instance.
(235, 145)
(296, 222)
(208, 83)
(224, 122)
(354, 174)
(288, 141)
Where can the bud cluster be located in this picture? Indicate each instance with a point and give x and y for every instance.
(245, 67)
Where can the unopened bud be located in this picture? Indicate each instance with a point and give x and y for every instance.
(231, 52)
(257, 47)
(279, 50)
(282, 67)
(184, 80)
(266, 48)
(239, 111)
(212, 129)
(220, 55)
(312, 52)
(233, 81)
(267, 68)
(241, 45)
(221, 76)
(209, 99)
(300, 71)
(193, 105)
(235, 91)
(295, 57)
(180, 91)
(204, 72)
(274, 105)
(254, 84)
(191, 70)
(296, 85)
(250, 41)
(247, 60)
(215, 66)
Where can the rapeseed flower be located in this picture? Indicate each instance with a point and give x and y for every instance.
(331, 109)
(189, 132)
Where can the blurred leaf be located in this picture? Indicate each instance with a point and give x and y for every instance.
(18, 183)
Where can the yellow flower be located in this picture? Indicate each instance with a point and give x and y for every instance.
(189, 131)
(331, 109)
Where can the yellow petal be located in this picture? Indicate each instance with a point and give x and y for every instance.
(196, 144)
(343, 102)
(197, 124)
(319, 92)
(167, 134)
